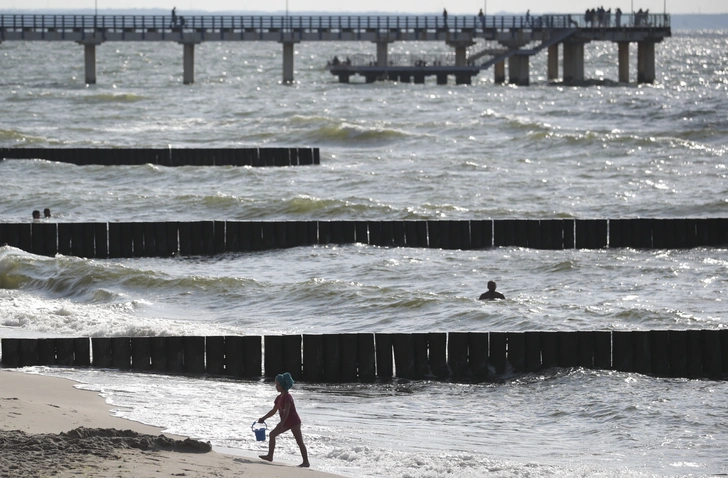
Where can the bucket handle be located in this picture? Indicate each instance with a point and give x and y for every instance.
(252, 427)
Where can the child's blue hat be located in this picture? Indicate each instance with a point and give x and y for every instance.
(285, 380)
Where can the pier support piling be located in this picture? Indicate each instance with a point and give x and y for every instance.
(188, 64)
(623, 62)
(382, 52)
(89, 57)
(518, 66)
(646, 62)
(499, 72)
(460, 55)
(553, 63)
(573, 62)
(288, 54)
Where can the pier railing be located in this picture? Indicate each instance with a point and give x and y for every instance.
(243, 23)
(366, 357)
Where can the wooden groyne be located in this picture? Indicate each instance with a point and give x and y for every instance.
(170, 156)
(163, 239)
(366, 357)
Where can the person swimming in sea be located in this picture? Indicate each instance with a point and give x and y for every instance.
(491, 294)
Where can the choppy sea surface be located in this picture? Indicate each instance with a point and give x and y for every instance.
(388, 151)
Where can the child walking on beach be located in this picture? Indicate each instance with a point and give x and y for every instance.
(290, 420)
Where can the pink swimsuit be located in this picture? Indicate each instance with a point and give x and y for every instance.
(293, 418)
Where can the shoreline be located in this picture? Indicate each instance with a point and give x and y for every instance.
(69, 431)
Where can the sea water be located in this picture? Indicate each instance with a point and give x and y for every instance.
(388, 151)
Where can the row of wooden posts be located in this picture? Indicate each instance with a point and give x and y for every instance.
(160, 239)
(367, 357)
(170, 156)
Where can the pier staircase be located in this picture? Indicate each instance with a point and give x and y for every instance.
(498, 55)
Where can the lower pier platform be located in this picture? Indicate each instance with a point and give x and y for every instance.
(405, 74)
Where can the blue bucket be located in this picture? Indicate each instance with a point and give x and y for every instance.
(260, 431)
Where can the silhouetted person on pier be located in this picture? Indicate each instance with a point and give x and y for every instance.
(491, 294)
(444, 15)
(46, 213)
(174, 17)
(618, 17)
(36, 214)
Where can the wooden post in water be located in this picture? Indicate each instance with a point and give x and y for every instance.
(383, 349)
(332, 358)
(498, 351)
(81, 352)
(348, 344)
(622, 351)
(660, 348)
(64, 352)
(121, 353)
(175, 354)
(404, 361)
(141, 353)
(712, 354)
(533, 351)
(46, 351)
(586, 346)
(603, 350)
(568, 345)
(194, 355)
(313, 358)
(517, 351)
(549, 350)
(292, 361)
(366, 357)
(642, 352)
(102, 352)
(457, 353)
(273, 358)
(158, 347)
(10, 352)
(234, 351)
(437, 342)
(252, 360)
(695, 354)
(215, 355)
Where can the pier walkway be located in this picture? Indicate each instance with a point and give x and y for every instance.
(478, 42)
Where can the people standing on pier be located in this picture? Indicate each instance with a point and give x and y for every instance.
(444, 15)
(618, 17)
(174, 17)
(491, 294)
(481, 17)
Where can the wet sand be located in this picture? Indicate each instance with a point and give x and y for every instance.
(50, 428)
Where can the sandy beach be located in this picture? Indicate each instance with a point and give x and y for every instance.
(50, 428)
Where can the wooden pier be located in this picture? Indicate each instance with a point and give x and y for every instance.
(477, 42)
